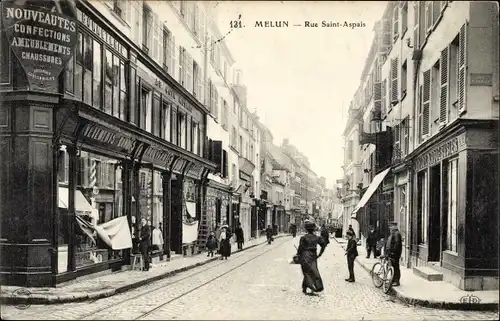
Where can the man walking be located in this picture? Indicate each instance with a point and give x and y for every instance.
(371, 242)
(239, 236)
(393, 250)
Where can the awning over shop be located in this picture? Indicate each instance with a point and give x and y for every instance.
(81, 203)
(369, 192)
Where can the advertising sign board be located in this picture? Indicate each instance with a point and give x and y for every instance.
(42, 39)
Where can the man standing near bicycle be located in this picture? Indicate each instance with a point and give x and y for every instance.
(393, 250)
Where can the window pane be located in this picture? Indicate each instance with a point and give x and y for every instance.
(79, 48)
(123, 105)
(108, 80)
(69, 76)
(157, 219)
(116, 86)
(88, 57)
(166, 121)
(78, 81)
(87, 87)
(97, 92)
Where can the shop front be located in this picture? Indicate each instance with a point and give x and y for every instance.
(455, 188)
(401, 208)
(94, 156)
(218, 198)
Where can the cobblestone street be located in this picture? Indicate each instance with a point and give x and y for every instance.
(255, 284)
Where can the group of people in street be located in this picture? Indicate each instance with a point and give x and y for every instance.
(308, 256)
(220, 240)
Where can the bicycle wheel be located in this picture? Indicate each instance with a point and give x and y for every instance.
(389, 276)
(377, 274)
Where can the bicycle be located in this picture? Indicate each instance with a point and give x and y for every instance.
(383, 274)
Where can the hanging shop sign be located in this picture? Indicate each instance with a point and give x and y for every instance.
(42, 39)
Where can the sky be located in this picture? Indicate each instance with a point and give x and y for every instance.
(301, 80)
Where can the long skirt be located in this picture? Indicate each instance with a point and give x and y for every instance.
(312, 278)
(225, 248)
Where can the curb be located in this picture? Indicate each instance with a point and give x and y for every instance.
(38, 299)
(431, 303)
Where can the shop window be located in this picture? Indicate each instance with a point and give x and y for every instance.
(452, 190)
(97, 70)
(78, 90)
(108, 101)
(157, 214)
(88, 61)
(116, 86)
(156, 114)
(145, 119)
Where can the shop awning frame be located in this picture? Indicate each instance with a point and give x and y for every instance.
(377, 180)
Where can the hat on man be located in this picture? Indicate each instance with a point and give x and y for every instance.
(393, 223)
(308, 225)
(349, 233)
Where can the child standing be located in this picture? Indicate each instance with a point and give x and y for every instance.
(352, 253)
(211, 244)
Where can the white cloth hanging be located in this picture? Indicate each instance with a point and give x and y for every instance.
(157, 238)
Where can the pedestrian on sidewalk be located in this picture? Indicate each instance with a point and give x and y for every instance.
(269, 234)
(225, 245)
(351, 252)
(325, 234)
(294, 230)
(371, 242)
(307, 252)
(211, 244)
(239, 236)
(145, 243)
(393, 250)
(350, 229)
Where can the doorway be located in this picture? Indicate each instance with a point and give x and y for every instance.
(435, 214)
(218, 211)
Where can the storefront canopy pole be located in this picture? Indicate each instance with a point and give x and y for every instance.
(369, 192)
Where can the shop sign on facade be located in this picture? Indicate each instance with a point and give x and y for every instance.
(43, 41)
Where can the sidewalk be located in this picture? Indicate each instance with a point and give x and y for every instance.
(415, 290)
(113, 283)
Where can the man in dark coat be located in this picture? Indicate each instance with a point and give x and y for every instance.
(294, 230)
(351, 252)
(145, 242)
(239, 236)
(269, 234)
(325, 234)
(393, 250)
(371, 242)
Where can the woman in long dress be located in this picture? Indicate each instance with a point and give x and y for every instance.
(307, 252)
(225, 244)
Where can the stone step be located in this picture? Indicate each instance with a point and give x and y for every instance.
(428, 273)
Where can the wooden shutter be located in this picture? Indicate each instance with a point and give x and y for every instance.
(377, 96)
(196, 19)
(383, 98)
(189, 73)
(444, 4)
(426, 103)
(385, 37)
(462, 70)
(397, 144)
(416, 24)
(428, 16)
(189, 129)
(216, 102)
(395, 23)
(224, 163)
(436, 11)
(173, 126)
(173, 68)
(394, 81)
(155, 44)
(420, 111)
(444, 65)
(200, 85)
(406, 130)
(202, 17)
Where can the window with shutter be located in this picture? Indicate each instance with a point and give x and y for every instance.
(173, 131)
(444, 4)
(377, 96)
(181, 65)
(404, 18)
(147, 25)
(189, 131)
(224, 163)
(420, 111)
(444, 65)
(395, 23)
(201, 34)
(155, 35)
(394, 99)
(462, 70)
(426, 103)
(166, 120)
(436, 12)
(196, 19)
(216, 102)
(383, 98)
